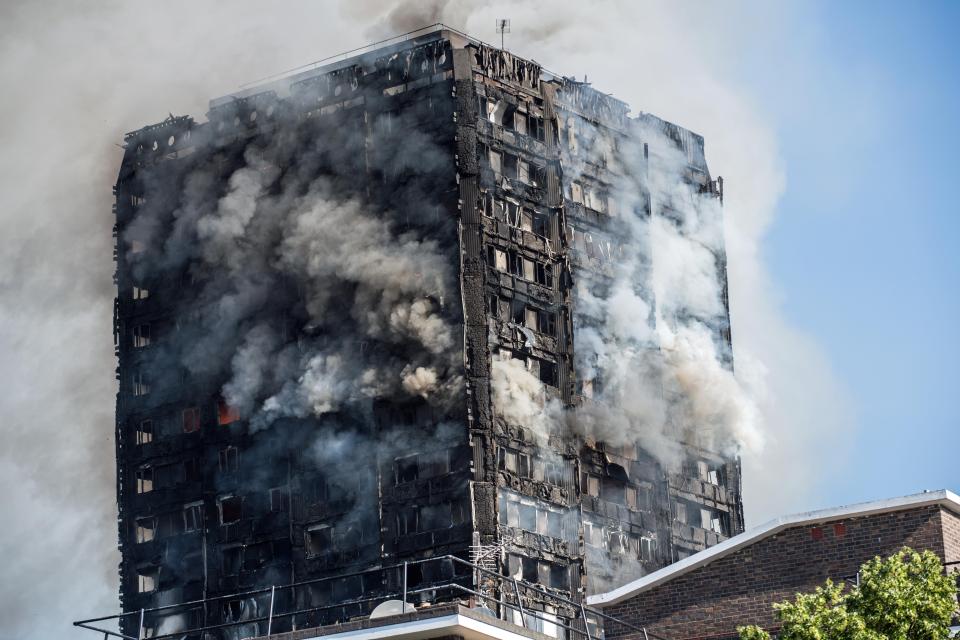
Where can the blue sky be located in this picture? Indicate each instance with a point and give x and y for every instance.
(865, 99)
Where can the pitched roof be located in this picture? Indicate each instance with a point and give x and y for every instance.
(944, 498)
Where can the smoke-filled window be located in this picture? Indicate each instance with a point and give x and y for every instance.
(230, 558)
(408, 521)
(229, 459)
(648, 549)
(438, 516)
(226, 414)
(318, 539)
(141, 335)
(231, 509)
(191, 419)
(421, 465)
(279, 500)
(193, 516)
(140, 385)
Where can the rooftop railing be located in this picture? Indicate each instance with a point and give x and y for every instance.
(468, 581)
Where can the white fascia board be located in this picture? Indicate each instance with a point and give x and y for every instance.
(454, 624)
(944, 498)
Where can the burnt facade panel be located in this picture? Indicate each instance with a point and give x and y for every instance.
(282, 418)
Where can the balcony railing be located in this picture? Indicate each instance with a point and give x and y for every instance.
(504, 593)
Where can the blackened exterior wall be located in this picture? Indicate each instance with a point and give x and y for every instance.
(741, 587)
(212, 505)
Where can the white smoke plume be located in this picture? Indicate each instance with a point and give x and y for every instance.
(77, 77)
(673, 60)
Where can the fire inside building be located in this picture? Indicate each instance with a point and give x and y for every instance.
(365, 345)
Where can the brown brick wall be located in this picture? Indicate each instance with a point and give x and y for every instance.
(951, 536)
(740, 588)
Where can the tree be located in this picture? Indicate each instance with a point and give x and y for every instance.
(907, 596)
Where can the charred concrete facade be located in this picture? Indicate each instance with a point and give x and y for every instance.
(233, 476)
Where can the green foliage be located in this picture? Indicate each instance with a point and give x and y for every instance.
(904, 597)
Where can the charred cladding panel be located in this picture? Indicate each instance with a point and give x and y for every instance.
(289, 335)
(608, 331)
(429, 300)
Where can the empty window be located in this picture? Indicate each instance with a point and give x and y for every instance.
(229, 459)
(231, 509)
(541, 224)
(536, 127)
(145, 432)
(520, 122)
(526, 220)
(497, 258)
(529, 269)
(523, 171)
(617, 543)
(140, 385)
(496, 111)
(147, 578)
(318, 539)
(544, 275)
(508, 460)
(513, 213)
(538, 175)
(494, 158)
(703, 470)
(191, 419)
(590, 484)
(141, 335)
(279, 500)
(146, 529)
(145, 479)
(576, 192)
(510, 165)
(193, 516)
(631, 495)
(548, 373)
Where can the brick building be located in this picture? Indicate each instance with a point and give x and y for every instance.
(711, 593)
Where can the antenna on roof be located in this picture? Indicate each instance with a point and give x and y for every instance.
(503, 27)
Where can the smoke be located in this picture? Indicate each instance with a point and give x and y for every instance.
(674, 60)
(76, 78)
